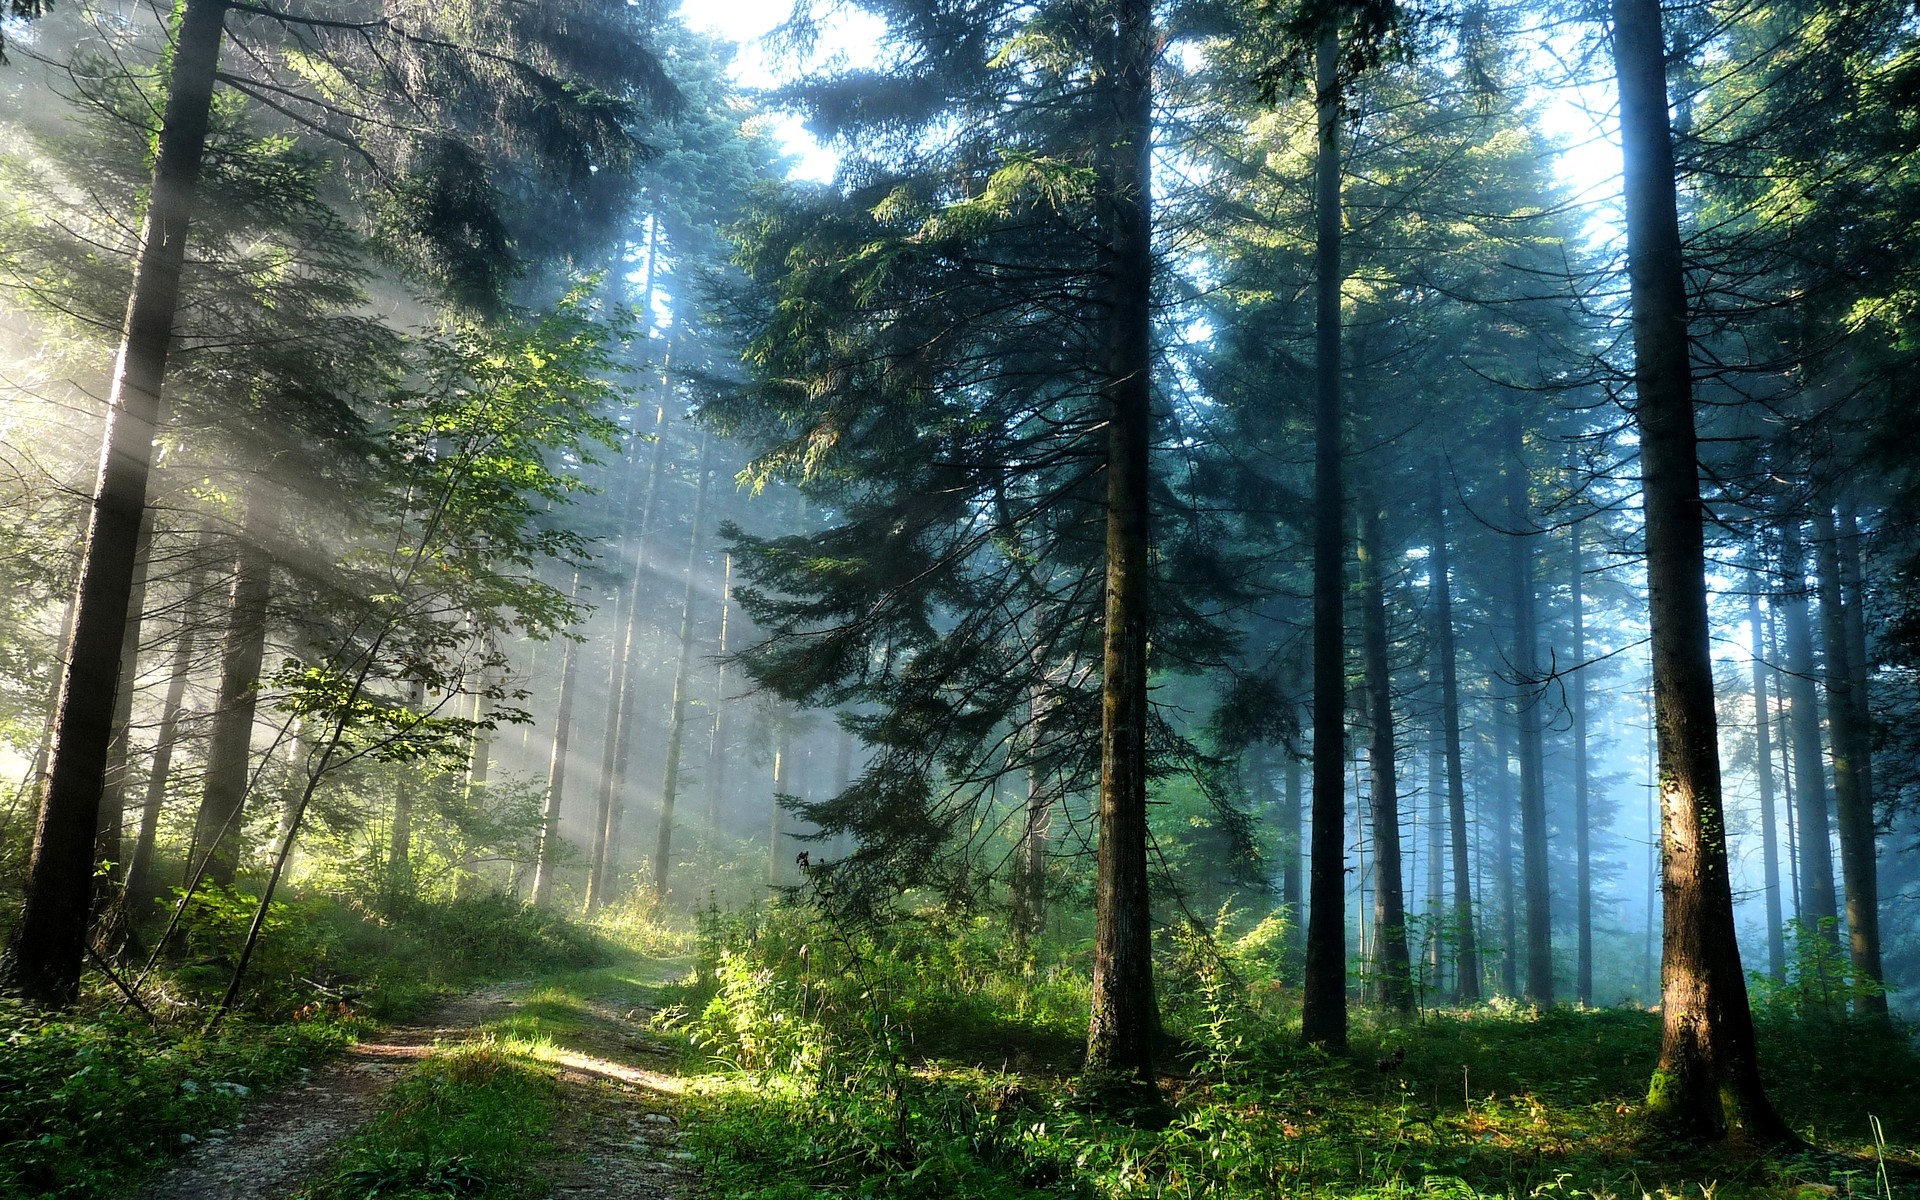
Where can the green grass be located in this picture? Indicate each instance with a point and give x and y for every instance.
(465, 1122)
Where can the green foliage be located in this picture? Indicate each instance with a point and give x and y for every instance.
(1820, 976)
(465, 1122)
(850, 1070)
(87, 1102)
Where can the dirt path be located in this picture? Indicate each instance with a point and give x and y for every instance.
(283, 1140)
(617, 1138)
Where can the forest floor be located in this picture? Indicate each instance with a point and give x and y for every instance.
(555, 1088)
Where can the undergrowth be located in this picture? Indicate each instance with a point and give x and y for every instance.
(918, 1062)
(91, 1100)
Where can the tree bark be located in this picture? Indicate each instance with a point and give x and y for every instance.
(1858, 855)
(1709, 1072)
(682, 683)
(1818, 902)
(1391, 965)
(547, 864)
(219, 826)
(44, 957)
(1323, 1013)
(1467, 987)
(1123, 1018)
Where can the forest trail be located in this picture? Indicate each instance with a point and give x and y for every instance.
(616, 1137)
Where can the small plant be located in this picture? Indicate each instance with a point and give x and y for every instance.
(398, 1172)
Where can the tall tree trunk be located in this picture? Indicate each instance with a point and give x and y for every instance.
(480, 751)
(547, 863)
(782, 786)
(1292, 856)
(140, 890)
(1709, 1072)
(1819, 906)
(1323, 1012)
(1582, 822)
(1528, 740)
(1436, 899)
(1468, 967)
(1786, 759)
(219, 825)
(1030, 870)
(717, 742)
(1503, 854)
(1123, 1018)
(1858, 855)
(1763, 769)
(1391, 964)
(120, 752)
(400, 828)
(43, 959)
(1853, 581)
(682, 683)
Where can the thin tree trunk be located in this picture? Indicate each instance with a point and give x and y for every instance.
(218, 828)
(782, 786)
(1123, 1018)
(1392, 968)
(140, 889)
(1029, 914)
(480, 752)
(1858, 855)
(1436, 900)
(1763, 769)
(547, 864)
(1853, 582)
(1468, 968)
(1323, 1013)
(400, 828)
(1503, 856)
(717, 743)
(43, 959)
(1292, 857)
(1582, 822)
(1819, 905)
(1786, 760)
(682, 683)
(1709, 1068)
(1528, 704)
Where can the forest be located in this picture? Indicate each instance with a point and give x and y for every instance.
(990, 599)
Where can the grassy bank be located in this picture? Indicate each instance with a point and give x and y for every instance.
(91, 1100)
